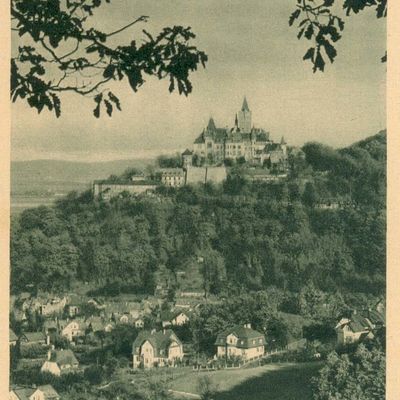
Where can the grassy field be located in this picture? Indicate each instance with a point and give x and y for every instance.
(269, 382)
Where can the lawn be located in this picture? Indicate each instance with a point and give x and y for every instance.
(269, 382)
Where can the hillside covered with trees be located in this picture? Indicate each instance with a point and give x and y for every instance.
(324, 226)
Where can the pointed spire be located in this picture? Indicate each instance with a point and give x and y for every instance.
(236, 120)
(211, 125)
(245, 106)
(283, 140)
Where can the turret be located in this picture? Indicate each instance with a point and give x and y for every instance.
(244, 118)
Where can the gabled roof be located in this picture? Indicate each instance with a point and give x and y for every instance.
(96, 323)
(34, 336)
(48, 391)
(376, 317)
(12, 336)
(356, 323)
(170, 315)
(23, 393)
(50, 324)
(160, 341)
(245, 337)
(63, 357)
(187, 152)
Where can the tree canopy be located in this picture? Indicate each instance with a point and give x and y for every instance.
(60, 50)
(323, 27)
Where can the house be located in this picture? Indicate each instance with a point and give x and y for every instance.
(60, 362)
(126, 318)
(20, 393)
(53, 306)
(240, 341)
(176, 318)
(50, 326)
(153, 348)
(45, 392)
(95, 324)
(73, 310)
(354, 329)
(139, 323)
(97, 303)
(12, 337)
(72, 329)
(33, 338)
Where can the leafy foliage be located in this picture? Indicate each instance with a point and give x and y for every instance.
(316, 240)
(355, 376)
(323, 28)
(65, 53)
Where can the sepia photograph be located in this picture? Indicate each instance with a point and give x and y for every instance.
(198, 200)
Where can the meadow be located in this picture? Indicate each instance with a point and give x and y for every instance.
(285, 381)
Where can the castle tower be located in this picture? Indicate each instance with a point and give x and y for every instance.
(283, 146)
(244, 117)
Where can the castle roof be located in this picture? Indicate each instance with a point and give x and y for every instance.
(211, 125)
(199, 139)
(245, 106)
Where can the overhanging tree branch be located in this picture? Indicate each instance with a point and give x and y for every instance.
(52, 24)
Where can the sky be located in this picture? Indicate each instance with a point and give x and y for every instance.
(252, 52)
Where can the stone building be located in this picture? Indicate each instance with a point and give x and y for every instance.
(215, 145)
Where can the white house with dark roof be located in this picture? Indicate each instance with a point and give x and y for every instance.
(60, 362)
(358, 326)
(72, 329)
(152, 348)
(174, 318)
(43, 392)
(240, 341)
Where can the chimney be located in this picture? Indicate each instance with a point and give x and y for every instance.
(247, 326)
(49, 355)
(153, 331)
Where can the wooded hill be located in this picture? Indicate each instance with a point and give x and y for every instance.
(323, 226)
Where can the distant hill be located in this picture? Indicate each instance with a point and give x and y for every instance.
(375, 145)
(38, 177)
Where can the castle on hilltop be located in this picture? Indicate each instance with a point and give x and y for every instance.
(243, 141)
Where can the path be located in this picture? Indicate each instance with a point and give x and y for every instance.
(190, 395)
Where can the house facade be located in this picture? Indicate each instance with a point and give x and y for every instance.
(53, 306)
(72, 329)
(240, 341)
(153, 348)
(45, 392)
(177, 318)
(60, 362)
(353, 329)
